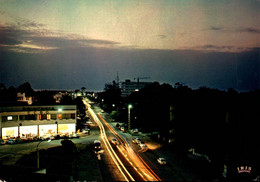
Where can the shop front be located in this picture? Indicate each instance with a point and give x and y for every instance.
(9, 132)
(28, 131)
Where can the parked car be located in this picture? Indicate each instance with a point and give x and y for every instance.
(140, 143)
(73, 135)
(144, 147)
(123, 129)
(161, 160)
(114, 141)
(10, 141)
(2, 142)
(135, 130)
(89, 123)
(136, 140)
(19, 140)
(86, 131)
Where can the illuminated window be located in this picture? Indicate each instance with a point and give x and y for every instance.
(60, 116)
(42, 116)
(9, 118)
(48, 116)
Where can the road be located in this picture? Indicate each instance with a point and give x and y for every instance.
(128, 162)
(178, 167)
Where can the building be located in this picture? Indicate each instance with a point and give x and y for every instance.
(30, 121)
(21, 97)
(128, 87)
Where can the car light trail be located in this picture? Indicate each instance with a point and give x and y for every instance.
(143, 166)
(112, 153)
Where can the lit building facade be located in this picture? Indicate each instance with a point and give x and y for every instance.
(31, 121)
(22, 98)
(128, 87)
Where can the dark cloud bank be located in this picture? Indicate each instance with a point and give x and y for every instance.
(76, 62)
(93, 67)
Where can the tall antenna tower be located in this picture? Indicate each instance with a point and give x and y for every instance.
(117, 78)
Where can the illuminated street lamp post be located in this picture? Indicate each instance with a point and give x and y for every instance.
(38, 154)
(129, 116)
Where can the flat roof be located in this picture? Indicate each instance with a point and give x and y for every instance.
(38, 108)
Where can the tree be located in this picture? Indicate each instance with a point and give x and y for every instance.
(25, 88)
(111, 96)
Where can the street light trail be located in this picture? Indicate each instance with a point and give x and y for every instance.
(112, 153)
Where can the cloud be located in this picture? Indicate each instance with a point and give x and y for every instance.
(215, 28)
(162, 36)
(244, 29)
(250, 30)
(30, 40)
(220, 48)
(21, 22)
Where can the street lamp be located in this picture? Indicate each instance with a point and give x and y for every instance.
(129, 116)
(38, 154)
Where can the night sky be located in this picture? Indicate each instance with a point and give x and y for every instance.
(57, 44)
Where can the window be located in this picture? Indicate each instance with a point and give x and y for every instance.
(28, 117)
(10, 118)
(60, 116)
(48, 116)
(42, 116)
(69, 116)
(66, 116)
(53, 116)
(4, 118)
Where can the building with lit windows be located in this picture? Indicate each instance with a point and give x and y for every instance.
(128, 87)
(31, 121)
(21, 97)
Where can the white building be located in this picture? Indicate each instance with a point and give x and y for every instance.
(21, 97)
(30, 121)
(128, 87)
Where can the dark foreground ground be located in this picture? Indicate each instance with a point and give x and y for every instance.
(56, 162)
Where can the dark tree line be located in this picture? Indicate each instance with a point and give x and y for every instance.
(220, 124)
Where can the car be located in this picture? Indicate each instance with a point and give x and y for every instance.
(135, 130)
(144, 147)
(140, 143)
(136, 140)
(10, 141)
(89, 123)
(73, 135)
(123, 129)
(19, 140)
(114, 141)
(2, 142)
(86, 131)
(161, 160)
(97, 145)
